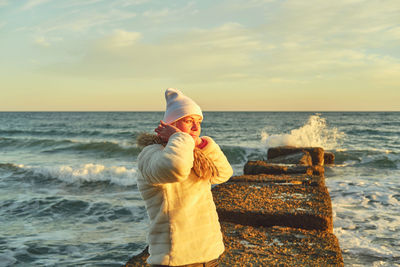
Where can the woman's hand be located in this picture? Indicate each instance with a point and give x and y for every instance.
(197, 140)
(164, 131)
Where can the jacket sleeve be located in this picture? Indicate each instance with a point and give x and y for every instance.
(214, 152)
(159, 165)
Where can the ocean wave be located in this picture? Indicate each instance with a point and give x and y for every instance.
(373, 132)
(240, 155)
(38, 207)
(66, 133)
(105, 148)
(6, 142)
(61, 132)
(77, 175)
(381, 162)
(9, 167)
(314, 133)
(60, 207)
(377, 159)
(366, 215)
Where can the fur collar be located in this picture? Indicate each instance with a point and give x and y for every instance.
(203, 166)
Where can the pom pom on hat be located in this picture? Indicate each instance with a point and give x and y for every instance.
(179, 106)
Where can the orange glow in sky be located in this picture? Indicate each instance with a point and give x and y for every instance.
(228, 55)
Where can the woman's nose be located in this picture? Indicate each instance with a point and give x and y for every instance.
(195, 127)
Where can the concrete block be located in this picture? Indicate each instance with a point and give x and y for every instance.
(299, 158)
(258, 204)
(317, 153)
(293, 179)
(262, 167)
(329, 158)
(278, 246)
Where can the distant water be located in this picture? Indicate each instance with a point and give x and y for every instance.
(68, 194)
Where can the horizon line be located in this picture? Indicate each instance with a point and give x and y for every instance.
(203, 110)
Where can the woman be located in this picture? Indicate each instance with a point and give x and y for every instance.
(176, 170)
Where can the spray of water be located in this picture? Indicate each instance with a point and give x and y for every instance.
(314, 133)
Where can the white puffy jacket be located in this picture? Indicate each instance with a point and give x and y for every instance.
(184, 225)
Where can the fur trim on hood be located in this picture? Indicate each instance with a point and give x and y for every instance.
(203, 166)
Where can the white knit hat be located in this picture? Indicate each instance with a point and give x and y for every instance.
(179, 106)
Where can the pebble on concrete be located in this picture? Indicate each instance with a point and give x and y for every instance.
(255, 204)
(278, 246)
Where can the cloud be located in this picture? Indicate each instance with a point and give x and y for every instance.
(80, 20)
(46, 41)
(214, 53)
(347, 23)
(294, 48)
(301, 46)
(91, 20)
(79, 3)
(33, 3)
(226, 36)
(170, 14)
(4, 3)
(245, 4)
(127, 3)
(120, 39)
(394, 33)
(41, 41)
(157, 14)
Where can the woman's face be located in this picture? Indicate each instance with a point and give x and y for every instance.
(190, 124)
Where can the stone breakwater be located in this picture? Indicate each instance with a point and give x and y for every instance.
(279, 213)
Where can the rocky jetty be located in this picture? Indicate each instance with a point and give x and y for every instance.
(317, 153)
(299, 158)
(289, 204)
(329, 158)
(264, 167)
(278, 213)
(278, 246)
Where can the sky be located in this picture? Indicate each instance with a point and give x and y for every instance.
(244, 55)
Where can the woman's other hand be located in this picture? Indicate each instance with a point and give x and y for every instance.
(164, 130)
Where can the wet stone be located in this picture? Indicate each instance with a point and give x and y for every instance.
(139, 260)
(318, 170)
(278, 246)
(262, 167)
(329, 158)
(288, 179)
(262, 204)
(317, 153)
(300, 158)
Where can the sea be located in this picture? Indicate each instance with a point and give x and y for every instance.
(68, 194)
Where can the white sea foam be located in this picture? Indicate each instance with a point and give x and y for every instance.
(366, 217)
(315, 132)
(89, 172)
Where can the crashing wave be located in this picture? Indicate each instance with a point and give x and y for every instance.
(314, 133)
